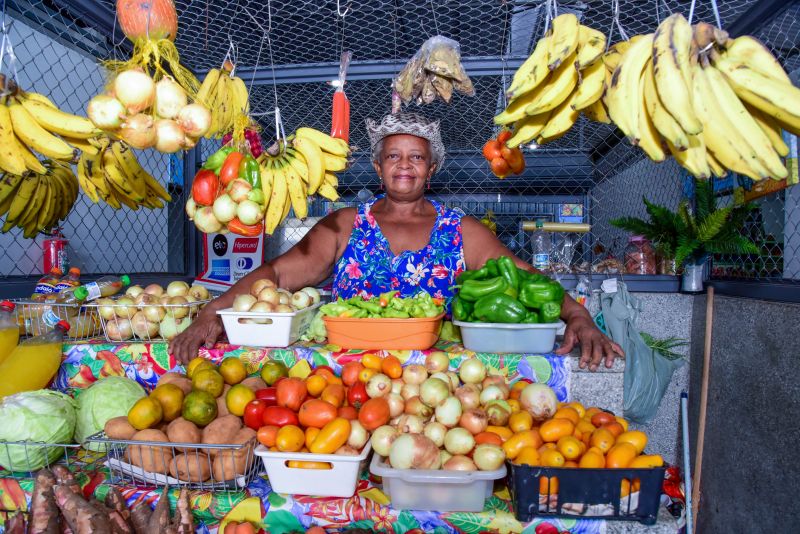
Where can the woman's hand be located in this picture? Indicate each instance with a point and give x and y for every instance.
(594, 344)
(206, 329)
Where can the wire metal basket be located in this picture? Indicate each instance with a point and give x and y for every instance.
(194, 465)
(20, 459)
(145, 322)
(36, 318)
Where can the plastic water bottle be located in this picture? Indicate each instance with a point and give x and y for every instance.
(541, 248)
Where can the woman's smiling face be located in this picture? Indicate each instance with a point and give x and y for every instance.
(404, 164)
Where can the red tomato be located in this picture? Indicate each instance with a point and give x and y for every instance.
(348, 412)
(254, 413)
(357, 395)
(290, 393)
(268, 395)
(279, 416)
(316, 413)
(350, 372)
(319, 368)
(374, 413)
(205, 187)
(230, 169)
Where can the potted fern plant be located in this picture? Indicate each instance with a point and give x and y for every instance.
(690, 236)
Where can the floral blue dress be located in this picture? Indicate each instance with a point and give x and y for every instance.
(368, 267)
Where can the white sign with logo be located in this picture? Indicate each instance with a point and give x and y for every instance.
(229, 257)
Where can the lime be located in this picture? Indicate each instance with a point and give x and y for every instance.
(208, 380)
(272, 371)
(199, 407)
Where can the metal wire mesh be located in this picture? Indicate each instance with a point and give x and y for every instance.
(590, 175)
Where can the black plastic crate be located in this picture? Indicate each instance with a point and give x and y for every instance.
(580, 493)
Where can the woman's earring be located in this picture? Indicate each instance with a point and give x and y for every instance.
(381, 185)
(429, 183)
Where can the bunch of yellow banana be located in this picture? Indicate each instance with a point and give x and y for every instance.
(562, 76)
(30, 123)
(714, 103)
(306, 167)
(226, 96)
(109, 171)
(37, 201)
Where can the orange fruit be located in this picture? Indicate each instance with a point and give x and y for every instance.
(237, 398)
(615, 428)
(199, 407)
(554, 429)
(232, 370)
(520, 421)
(578, 407)
(647, 460)
(603, 439)
(569, 447)
(391, 367)
(145, 413)
(196, 364)
(620, 455)
(272, 370)
(566, 412)
(601, 418)
(371, 360)
(551, 458)
(528, 456)
(592, 459)
(315, 384)
(548, 486)
(637, 438)
(570, 463)
(170, 397)
(208, 380)
(623, 422)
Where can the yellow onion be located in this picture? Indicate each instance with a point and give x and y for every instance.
(169, 136)
(170, 98)
(135, 89)
(139, 131)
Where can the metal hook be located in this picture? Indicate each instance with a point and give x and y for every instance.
(346, 9)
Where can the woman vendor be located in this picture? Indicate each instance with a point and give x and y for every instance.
(400, 240)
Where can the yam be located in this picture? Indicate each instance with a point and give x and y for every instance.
(140, 518)
(178, 379)
(16, 524)
(159, 521)
(182, 431)
(194, 467)
(184, 523)
(221, 431)
(119, 428)
(44, 511)
(116, 502)
(64, 477)
(82, 517)
(150, 458)
(254, 382)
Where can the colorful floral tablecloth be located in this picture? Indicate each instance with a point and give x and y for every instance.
(368, 508)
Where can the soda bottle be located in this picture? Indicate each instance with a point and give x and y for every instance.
(541, 248)
(73, 279)
(33, 363)
(47, 284)
(9, 330)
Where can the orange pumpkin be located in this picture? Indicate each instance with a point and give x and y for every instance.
(143, 19)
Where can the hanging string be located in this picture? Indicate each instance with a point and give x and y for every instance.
(615, 21)
(503, 57)
(342, 15)
(691, 11)
(394, 35)
(7, 49)
(716, 13)
(435, 21)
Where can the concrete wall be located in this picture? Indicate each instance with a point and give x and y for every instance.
(750, 473)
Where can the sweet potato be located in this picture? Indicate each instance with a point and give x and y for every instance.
(44, 511)
(82, 517)
(64, 477)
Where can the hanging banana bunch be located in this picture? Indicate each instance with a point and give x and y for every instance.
(562, 76)
(227, 98)
(714, 103)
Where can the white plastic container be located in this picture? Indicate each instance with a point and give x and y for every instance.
(279, 329)
(502, 337)
(338, 481)
(436, 490)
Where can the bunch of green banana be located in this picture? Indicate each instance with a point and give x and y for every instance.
(30, 123)
(37, 201)
(307, 166)
(110, 172)
(714, 103)
(226, 96)
(562, 76)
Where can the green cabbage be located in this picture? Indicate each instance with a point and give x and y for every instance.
(42, 416)
(107, 398)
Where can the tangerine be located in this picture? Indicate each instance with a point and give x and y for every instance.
(146, 413)
(196, 364)
(170, 397)
(208, 380)
(237, 398)
(199, 407)
(554, 429)
(232, 370)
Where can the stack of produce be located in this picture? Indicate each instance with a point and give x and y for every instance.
(502, 159)
(146, 114)
(266, 297)
(238, 193)
(562, 76)
(501, 292)
(226, 96)
(109, 171)
(152, 312)
(203, 407)
(715, 103)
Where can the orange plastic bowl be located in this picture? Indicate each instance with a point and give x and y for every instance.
(388, 334)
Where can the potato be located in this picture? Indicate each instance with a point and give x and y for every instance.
(254, 382)
(182, 431)
(222, 406)
(119, 428)
(178, 379)
(194, 467)
(221, 430)
(228, 465)
(149, 458)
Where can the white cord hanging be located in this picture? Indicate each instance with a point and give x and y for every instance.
(339, 8)
(551, 12)
(7, 49)
(615, 22)
(714, 8)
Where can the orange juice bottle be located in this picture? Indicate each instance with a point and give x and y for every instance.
(33, 363)
(9, 330)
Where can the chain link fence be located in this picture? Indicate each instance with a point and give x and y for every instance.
(591, 175)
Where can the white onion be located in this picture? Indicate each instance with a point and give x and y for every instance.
(472, 371)
(313, 293)
(409, 390)
(449, 412)
(119, 329)
(224, 208)
(498, 412)
(170, 98)
(195, 120)
(494, 380)
(379, 385)
(258, 285)
(169, 136)
(135, 89)
(284, 308)
(243, 303)
(169, 327)
(154, 314)
(300, 299)
(145, 299)
(106, 308)
(382, 438)
(269, 294)
(539, 400)
(177, 288)
(239, 190)
(396, 404)
(436, 432)
(433, 392)
(459, 462)
(154, 289)
(250, 213)
(189, 142)
(199, 292)
(410, 424)
(178, 308)
(414, 452)
(205, 221)
(454, 381)
(458, 441)
(358, 435)
(134, 291)
(142, 328)
(437, 361)
(414, 374)
(444, 378)
(444, 456)
(191, 208)
(139, 131)
(469, 395)
(474, 420)
(397, 386)
(125, 307)
(491, 393)
(488, 457)
(106, 112)
(415, 406)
